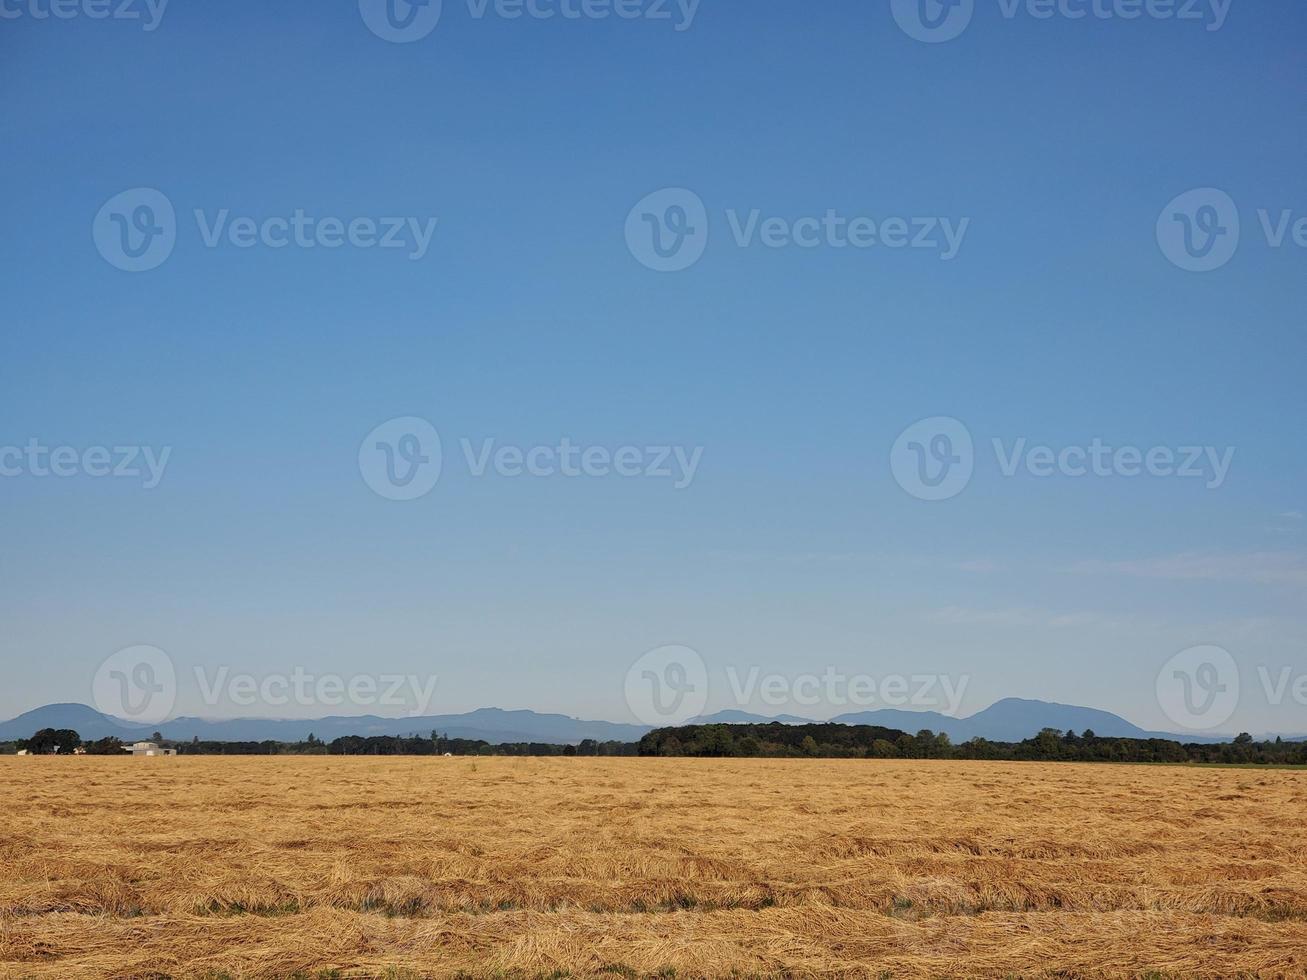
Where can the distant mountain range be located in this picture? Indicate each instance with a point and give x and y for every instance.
(491, 724)
(1008, 720)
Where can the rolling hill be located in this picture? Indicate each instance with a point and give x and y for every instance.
(1008, 720)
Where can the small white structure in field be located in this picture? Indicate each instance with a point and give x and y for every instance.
(23, 752)
(149, 748)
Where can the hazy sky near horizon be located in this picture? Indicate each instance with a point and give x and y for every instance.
(783, 540)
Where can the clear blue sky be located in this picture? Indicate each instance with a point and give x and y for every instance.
(528, 320)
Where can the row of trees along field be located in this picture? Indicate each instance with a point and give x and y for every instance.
(832, 741)
(439, 745)
(775, 740)
(50, 741)
(65, 741)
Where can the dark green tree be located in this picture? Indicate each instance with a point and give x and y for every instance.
(49, 741)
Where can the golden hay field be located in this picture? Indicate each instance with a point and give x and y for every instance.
(405, 867)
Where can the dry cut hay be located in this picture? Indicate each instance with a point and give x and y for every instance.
(269, 867)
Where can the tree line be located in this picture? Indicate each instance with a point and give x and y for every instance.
(834, 741)
(64, 741)
(441, 745)
(774, 740)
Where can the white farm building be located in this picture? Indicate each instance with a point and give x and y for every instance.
(148, 748)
